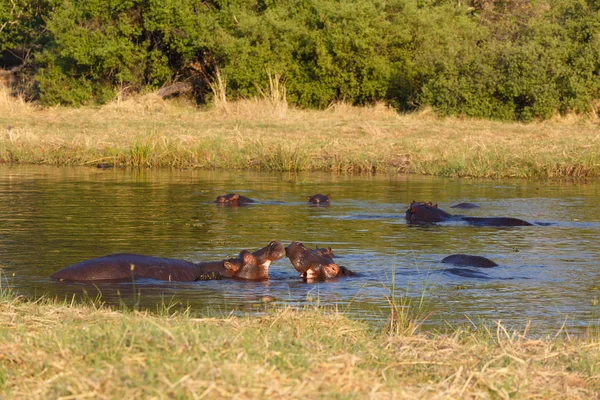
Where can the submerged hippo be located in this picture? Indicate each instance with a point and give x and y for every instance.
(465, 206)
(313, 266)
(467, 260)
(124, 267)
(319, 199)
(233, 199)
(422, 213)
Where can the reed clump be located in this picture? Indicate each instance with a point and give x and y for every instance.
(264, 133)
(55, 349)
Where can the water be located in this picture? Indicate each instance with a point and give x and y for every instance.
(548, 275)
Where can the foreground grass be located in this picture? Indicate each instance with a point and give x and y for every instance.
(50, 349)
(263, 135)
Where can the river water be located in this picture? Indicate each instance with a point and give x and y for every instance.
(548, 274)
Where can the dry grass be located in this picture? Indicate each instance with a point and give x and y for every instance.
(55, 350)
(266, 134)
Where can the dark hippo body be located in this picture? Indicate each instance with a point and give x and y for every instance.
(467, 260)
(465, 206)
(233, 199)
(420, 212)
(313, 266)
(423, 213)
(126, 266)
(319, 199)
(495, 221)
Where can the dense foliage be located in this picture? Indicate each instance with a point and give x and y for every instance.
(502, 59)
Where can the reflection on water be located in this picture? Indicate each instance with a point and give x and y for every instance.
(53, 217)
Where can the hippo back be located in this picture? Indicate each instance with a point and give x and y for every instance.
(125, 266)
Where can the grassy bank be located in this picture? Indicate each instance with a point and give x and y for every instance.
(49, 349)
(267, 135)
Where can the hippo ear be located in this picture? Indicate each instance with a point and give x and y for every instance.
(234, 197)
(231, 266)
(329, 249)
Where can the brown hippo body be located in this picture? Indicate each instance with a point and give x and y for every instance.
(126, 266)
(233, 199)
(467, 260)
(319, 199)
(313, 266)
(423, 213)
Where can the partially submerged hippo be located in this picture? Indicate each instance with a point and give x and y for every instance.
(467, 260)
(465, 206)
(313, 266)
(422, 213)
(125, 266)
(319, 199)
(233, 199)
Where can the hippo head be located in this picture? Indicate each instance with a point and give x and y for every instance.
(272, 252)
(421, 212)
(310, 265)
(319, 199)
(228, 198)
(251, 268)
(255, 266)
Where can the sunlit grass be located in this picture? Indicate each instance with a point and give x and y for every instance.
(51, 348)
(266, 134)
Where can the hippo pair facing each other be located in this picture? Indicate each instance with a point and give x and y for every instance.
(313, 265)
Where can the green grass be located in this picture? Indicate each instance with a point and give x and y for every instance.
(267, 135)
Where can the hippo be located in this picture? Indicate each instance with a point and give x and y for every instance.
(313, 266)
(319, 199)
(233, 199)
(422, 213)
(126, 266)
(465, 206)
(467, 260)
(496, 221)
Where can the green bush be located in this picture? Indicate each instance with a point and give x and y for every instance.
(499, 59)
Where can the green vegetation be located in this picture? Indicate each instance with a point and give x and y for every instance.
(497, 59)
(53, 349)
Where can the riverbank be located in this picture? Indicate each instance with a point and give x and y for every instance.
(52, 349)
(267, 135)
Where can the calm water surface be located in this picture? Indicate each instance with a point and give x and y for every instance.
(549, 275)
